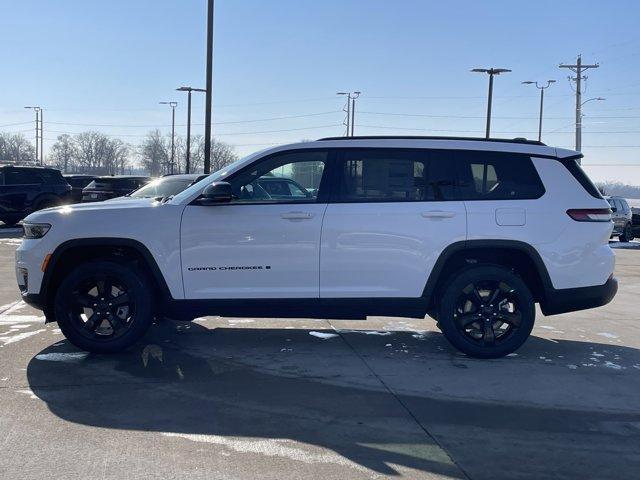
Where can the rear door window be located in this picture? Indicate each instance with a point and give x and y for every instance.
(394, 175)
(497, 176)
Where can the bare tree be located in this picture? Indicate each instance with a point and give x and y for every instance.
(154, 153)
(16, 148)
(64, 153)
(222, 154)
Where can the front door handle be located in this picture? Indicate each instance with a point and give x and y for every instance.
(438, 214)
(296, 215)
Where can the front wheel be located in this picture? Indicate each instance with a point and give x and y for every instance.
(103, 306)
(487, 311)
(627, 234)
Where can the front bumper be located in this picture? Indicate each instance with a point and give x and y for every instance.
(33, 299)
(573, 299)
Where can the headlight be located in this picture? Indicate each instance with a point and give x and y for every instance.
(35, 230)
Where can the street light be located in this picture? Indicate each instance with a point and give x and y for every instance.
(38, 111)
(351, 111)
(189, 90)
(542, 89)
(173, 106)
(579, 124)
(491, 72)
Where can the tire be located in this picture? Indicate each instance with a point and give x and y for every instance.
(104, 306)
(486, 311)
(627, 234)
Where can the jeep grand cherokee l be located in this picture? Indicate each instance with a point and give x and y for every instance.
(471, 232)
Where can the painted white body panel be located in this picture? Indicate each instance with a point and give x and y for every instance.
(155, 225)
(340, 250)
(385, 249)
(284, 238)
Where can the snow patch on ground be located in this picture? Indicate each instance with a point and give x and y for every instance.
(367, 332)
(17, 319)
(323, 335)
(62, 357)
(9, 339)
(28, 391)
(607, 335)
(268, 447)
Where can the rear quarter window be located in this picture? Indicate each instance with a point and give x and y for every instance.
(497, 176)
(576, 170)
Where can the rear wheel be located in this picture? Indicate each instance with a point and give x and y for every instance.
(487, 311)
(103, 306)
(627, 233)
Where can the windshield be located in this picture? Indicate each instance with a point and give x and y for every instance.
(162, 187)
(196, 187)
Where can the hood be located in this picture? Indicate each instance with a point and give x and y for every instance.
(69, 210)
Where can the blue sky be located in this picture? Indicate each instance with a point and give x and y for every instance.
(109, 63)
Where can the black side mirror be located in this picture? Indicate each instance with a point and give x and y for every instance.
(216, 193)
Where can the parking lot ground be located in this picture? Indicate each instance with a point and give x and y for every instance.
(224, 398)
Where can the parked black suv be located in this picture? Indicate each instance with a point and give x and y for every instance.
(104, 188)
(26, 189)
(78, 181)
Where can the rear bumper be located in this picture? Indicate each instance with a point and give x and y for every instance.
(573, 299)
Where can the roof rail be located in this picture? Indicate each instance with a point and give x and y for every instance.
(416, 137)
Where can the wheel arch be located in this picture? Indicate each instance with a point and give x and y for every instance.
(71, 252)
(515, 255)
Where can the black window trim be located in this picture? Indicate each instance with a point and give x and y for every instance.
(323, 195)
(459, 197)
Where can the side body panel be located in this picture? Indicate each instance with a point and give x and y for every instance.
(251, 250)
(155, 226)
(385, 249)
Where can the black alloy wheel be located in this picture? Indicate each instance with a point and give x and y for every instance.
(486, 311)
(104, 306)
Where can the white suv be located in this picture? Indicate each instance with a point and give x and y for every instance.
(472, 232)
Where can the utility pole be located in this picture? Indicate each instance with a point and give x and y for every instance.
(491, 72)
(350, 111)
(209, 96)
(189, 90)
(578, 68)
(38, 111)
(41, 138)
(173, 106)
(542, 89)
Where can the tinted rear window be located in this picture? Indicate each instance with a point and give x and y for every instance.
(496, 176)
(582, 178)
(395, 175)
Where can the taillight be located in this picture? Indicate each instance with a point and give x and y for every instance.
(590, 214)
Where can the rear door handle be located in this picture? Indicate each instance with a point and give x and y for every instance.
(296, 215)
(438, 214)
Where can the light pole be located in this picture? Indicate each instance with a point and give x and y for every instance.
(209, 96)
(579, 123)
(491, 72)
(351, 111)
(189, 90)
(38, 111)
(173, 106)
(542, 89)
